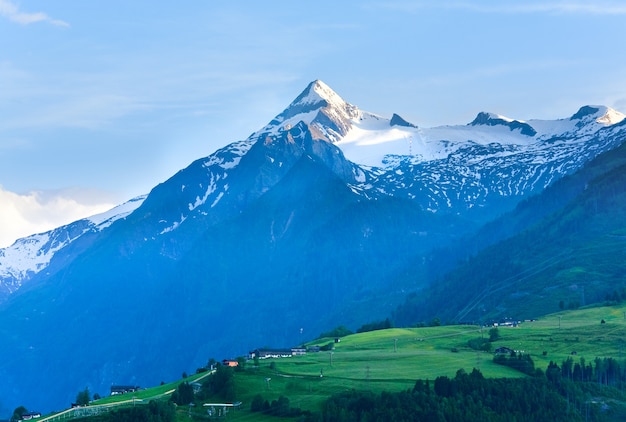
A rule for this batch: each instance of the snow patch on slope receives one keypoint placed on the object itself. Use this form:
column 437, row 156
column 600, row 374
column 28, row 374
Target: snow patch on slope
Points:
column 30, row 255
column 105, row 219
column 373, row 143
column 228, row 157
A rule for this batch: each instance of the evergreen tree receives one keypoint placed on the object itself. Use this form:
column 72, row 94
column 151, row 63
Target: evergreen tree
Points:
column 18, row 413
column 221, row 384
column 83, row 397
column 494, row 334
column 183, row 394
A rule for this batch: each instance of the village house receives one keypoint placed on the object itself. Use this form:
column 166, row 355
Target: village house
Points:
column 504, row 351
column 276, row 353
column 123, row 389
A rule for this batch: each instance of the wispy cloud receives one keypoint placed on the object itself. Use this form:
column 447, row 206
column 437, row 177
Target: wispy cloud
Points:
column 35, row 212
column 563, row 7
column 14, row 14
column 554, row 7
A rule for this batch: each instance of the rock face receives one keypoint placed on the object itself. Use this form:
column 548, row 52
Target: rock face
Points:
column 488, row 119
column 327, row 216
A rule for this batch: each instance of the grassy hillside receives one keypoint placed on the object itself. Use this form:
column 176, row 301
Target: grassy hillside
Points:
column 368, row 361
column 393, row 359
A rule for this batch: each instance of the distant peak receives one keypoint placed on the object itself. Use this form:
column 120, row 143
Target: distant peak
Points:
column 600, row 114
column 484, row 118
column 396, row 120
column 491, row 119
column 318, row 106
column 317, row 93
column 584, row 111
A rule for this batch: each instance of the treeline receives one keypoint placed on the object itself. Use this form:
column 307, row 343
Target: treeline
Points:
column 581, row 383
column 373, row 326
column 616, row 297
column 603, row 371
column 466, row 397
column 340, row 331
column 570, row 392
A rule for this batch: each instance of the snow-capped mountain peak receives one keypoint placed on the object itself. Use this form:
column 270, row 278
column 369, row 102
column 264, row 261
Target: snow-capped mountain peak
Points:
column 397, row 120
column 600, row 114
column 329, row 115
column 485, row 116
column 316, row 93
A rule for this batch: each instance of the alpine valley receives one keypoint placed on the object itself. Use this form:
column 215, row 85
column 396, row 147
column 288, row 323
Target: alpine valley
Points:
column 327, row 216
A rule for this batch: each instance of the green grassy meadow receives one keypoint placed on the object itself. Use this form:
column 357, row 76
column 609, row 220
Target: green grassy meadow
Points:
column 391, row 360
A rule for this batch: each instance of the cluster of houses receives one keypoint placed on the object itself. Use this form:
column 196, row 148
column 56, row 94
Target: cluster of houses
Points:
column 123, row 389
column 275, row 353
column 30, row 416
column 507, row 323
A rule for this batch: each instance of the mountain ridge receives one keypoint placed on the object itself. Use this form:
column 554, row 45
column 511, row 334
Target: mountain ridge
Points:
column 328, row 215
column 566, row 241
column 455, row 176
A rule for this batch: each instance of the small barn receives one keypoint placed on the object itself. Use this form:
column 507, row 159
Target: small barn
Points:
column 504, row 351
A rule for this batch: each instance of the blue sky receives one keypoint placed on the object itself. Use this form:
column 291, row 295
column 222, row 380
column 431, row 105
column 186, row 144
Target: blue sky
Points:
column 100, row 101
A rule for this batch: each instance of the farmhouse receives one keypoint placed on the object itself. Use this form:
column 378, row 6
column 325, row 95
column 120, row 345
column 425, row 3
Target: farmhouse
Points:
column 30, row 416
column 122, row 389
column 276, row 353
column 504, row 351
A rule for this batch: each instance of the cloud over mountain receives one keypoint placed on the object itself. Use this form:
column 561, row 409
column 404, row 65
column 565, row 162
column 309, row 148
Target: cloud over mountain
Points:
column 38, row 211
column 13, row 13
